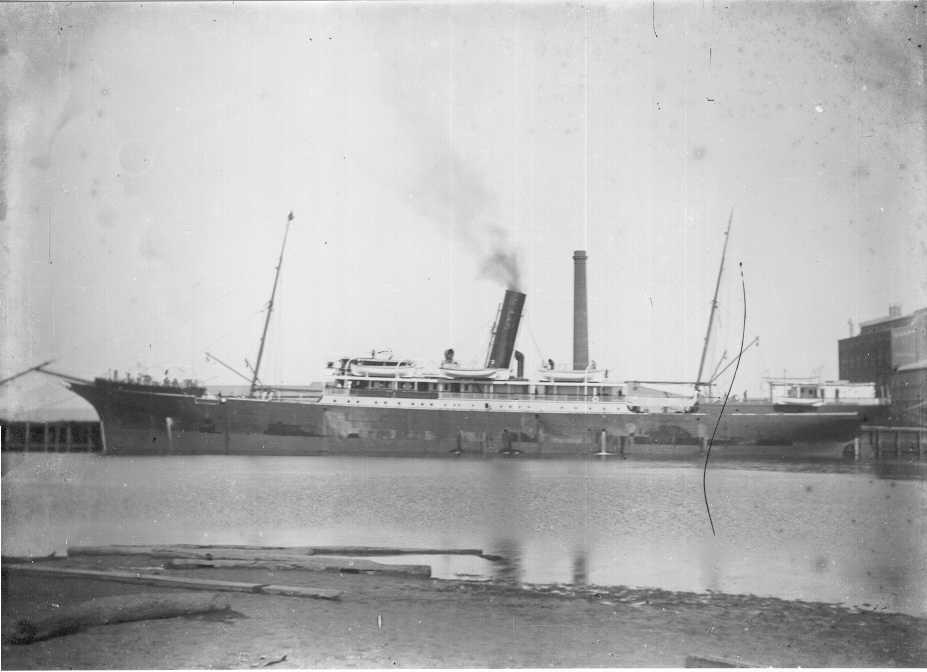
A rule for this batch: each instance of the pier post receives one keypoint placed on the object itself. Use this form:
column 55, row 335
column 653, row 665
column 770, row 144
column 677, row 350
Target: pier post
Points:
column 603, row 442
column 897, row 443
column 856, row 448
column 877, row 448
column 26, row 437
column 169, row 426
column 45, row 437
column 68, row 438
column 56, row 430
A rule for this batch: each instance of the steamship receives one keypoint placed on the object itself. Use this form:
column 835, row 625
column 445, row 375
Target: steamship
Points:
column 376, row 405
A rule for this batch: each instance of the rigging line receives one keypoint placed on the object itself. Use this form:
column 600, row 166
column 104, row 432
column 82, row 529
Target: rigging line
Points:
column 236, row 328
column 533, row 339
column 743, row 333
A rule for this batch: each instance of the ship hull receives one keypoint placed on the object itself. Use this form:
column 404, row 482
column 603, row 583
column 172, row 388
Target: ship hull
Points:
column 170, row 422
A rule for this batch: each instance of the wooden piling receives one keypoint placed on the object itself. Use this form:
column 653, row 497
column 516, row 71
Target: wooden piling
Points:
column 903, row 439
column 68, row 438
column 27, row 438
column 168, row 426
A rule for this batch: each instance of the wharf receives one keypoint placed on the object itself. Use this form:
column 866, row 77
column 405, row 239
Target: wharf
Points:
column 893, row 440
column 63, row 436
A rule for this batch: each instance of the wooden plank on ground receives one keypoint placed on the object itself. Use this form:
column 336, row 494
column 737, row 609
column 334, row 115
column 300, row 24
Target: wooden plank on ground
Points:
column 114, row 609
column 342, row 564
column 194, row 551
column 300, row 550
column 386, row 550
column 110, row 550
column 137, row 578
column 315, row 564
column 244, row 552
column 297, row 591
column 220, row 553
column 161, row 580
column 713, row 661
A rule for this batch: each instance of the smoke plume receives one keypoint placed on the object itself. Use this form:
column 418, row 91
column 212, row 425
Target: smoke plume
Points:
column 450, row 191
column 501, row 263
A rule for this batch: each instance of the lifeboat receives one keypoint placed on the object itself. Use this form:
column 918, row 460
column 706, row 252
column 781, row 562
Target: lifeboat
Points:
column 373, row 367
column 563, row 376
column 473, row 374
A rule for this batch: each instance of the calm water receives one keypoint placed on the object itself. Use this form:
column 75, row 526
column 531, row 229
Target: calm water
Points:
column 851, row 534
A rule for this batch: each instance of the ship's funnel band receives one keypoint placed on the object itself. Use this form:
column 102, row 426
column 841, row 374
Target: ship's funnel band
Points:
column 503, row 339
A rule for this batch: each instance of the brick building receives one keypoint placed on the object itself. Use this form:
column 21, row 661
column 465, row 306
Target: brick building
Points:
column 891, row 352
column 909, row 395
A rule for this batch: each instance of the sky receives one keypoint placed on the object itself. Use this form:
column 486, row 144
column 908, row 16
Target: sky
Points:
column 435, row 154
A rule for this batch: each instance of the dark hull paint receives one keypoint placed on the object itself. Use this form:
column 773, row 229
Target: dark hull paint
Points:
column 169, row 422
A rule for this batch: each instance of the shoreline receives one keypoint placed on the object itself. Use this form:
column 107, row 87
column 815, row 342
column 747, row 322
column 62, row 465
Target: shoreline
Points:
column 395, row 621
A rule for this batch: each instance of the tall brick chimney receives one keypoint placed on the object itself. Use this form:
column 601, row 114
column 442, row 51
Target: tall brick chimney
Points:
column 580, row 313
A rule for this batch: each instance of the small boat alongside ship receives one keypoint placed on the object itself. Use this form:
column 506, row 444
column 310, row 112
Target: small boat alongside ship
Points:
column 379, row 405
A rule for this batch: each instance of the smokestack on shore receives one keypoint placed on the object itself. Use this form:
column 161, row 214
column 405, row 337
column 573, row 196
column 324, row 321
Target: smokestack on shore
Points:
column 580, row 313
column 503, row 339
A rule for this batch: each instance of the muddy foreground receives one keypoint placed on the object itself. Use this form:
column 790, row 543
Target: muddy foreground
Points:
column 390, row 621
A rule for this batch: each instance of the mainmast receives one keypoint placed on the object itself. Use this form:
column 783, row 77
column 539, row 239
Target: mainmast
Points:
column 270, row 306
column 714, row 304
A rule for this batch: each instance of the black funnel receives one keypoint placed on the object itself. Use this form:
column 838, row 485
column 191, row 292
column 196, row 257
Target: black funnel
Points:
column 503, row 338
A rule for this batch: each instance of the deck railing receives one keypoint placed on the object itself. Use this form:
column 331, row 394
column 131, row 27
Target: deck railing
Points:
column 473, row 396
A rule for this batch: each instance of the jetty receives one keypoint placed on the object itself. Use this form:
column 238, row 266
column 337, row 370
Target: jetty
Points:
column 61, row 436
column 893, row 440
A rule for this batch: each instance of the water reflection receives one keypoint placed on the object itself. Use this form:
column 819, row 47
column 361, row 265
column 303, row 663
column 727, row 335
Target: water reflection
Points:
column 709, row 558
column 580, row 574
column 841, row 533
column 508, row 567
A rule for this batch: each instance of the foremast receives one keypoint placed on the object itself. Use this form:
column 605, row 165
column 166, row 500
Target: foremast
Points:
column 270, row 307
column 714, row 306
